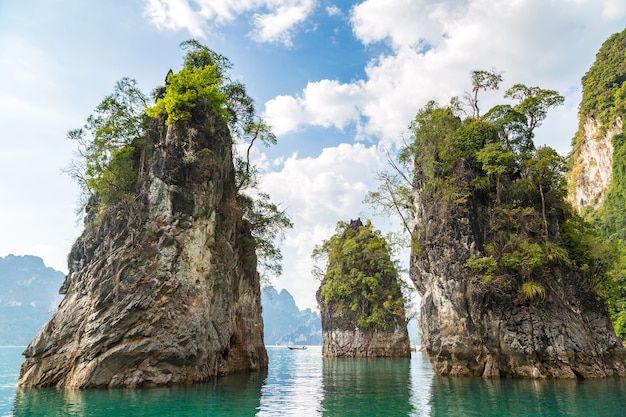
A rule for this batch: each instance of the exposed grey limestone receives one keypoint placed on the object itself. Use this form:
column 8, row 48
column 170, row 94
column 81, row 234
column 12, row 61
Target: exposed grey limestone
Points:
column 366, row 343
column 166, row 293
column 470, row 332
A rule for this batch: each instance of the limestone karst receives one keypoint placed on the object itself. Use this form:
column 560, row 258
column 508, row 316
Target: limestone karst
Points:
column 360, row 298
column 507, row 272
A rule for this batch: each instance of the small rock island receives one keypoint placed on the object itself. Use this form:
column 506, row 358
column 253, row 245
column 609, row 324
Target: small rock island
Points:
column 360, row 298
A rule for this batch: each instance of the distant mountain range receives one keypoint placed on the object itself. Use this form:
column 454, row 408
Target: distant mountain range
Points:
column 285, row 323
column 29, row 295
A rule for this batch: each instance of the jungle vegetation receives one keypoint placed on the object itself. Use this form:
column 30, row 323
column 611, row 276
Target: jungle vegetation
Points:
column 604, row 99
column 360, row 276
column 486, row 167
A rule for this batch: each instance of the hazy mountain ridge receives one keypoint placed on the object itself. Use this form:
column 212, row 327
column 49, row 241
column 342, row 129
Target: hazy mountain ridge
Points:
column 29, row 294
column 285, row 323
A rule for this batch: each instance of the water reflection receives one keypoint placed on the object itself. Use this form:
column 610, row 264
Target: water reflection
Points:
column 367, row 387
column 226, row 396
column 520, row 397
column 421, row 384
column 302, row 383
column 294, row 383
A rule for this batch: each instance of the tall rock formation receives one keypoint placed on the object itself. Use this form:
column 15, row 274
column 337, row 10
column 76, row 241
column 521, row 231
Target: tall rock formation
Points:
column 360, row 300
column 600, row 116
column 504, row 270
column 471, row 332
column 597, row 177
column 164, row 290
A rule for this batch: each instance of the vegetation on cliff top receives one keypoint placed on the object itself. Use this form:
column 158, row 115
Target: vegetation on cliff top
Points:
column 604, row 99
column 115, row 142
column 360, row 275
column 487, row 169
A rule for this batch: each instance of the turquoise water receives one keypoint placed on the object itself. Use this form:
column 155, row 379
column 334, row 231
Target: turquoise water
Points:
column 302, row 383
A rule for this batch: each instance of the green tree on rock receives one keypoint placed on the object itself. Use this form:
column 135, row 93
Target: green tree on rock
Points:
column 488, row 171
column 114, row 143
column 360, row 276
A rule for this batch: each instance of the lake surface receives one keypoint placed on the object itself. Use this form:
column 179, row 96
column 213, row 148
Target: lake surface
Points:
column 302, row 383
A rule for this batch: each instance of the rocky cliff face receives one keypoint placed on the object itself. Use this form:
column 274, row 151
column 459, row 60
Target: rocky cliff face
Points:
column 593, row 165
column 163, row 291
column 471, row 332
column 342, row 338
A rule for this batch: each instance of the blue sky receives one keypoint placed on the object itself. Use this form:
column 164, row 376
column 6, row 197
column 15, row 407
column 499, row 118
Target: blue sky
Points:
column 339, row 82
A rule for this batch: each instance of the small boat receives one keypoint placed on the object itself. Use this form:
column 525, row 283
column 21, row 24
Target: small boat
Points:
column 296, row 347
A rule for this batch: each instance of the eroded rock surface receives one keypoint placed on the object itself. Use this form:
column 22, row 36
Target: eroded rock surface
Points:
column 346, row 341
column 471, row 332
column 163, row 291
column 593, row 166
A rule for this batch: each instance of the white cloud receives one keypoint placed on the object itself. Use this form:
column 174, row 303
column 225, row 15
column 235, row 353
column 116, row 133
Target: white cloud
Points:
column 278, row 25
column 273, row 20
column 323, row 103
column 317, row 193
column 408, row 22
column 436, row 44
column 284, row 114
column 177, row 14
column 614, row 9
column 333, row 10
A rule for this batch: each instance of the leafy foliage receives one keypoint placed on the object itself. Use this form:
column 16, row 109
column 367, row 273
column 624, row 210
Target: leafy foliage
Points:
column 482, row 80
column 104, row 165
column 268, row 224
column 605, row 82
column 514, row 194
column 361, row 276
column 532, row 290
column 116, row 182
column 534, row 103
column 184, row 90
